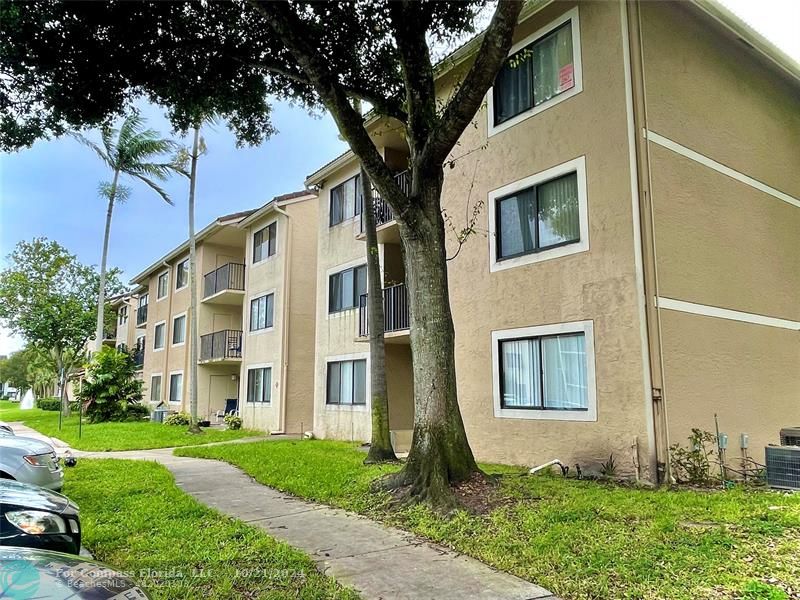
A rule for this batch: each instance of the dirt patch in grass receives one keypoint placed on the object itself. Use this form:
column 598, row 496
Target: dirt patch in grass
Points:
column 481, row 494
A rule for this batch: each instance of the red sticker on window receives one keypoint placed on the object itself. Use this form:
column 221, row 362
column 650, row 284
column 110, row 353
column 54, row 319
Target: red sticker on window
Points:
column 566, row 77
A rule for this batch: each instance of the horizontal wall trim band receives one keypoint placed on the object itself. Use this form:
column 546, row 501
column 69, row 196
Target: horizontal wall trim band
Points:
column 725, row 313
column 719, row 167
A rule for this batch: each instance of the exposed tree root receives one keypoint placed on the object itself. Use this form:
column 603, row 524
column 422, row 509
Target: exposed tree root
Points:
column 377, row 456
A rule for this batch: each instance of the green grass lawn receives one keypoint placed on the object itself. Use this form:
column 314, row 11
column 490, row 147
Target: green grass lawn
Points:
column 136, row 520
column 113, row 436
column 580, row 539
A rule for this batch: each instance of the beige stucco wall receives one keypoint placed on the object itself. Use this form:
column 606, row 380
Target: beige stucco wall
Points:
column 719, row 241
column 597, row 285
column 749, row 375
column 301, row 316
column 337, row 249
column 263, row 348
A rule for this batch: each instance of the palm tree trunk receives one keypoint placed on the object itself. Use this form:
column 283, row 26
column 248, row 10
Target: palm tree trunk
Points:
column 195, row 340
column 380, row 449
column 101, row 297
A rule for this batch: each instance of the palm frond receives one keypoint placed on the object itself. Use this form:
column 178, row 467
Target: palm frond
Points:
column 97, row 149
column 156, row 188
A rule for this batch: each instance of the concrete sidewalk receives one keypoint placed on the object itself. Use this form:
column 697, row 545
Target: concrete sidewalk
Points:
column 380, row 562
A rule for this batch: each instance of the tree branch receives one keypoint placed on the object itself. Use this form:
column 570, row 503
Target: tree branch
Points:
column 466, row 101
column 294, row 34
column 415, row 61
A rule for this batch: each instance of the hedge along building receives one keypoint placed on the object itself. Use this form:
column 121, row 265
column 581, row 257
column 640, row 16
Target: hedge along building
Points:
column 635, row 268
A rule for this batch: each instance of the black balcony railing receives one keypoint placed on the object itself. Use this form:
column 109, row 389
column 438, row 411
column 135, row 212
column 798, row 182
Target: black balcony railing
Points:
column 395, row 310
column 138, row 354
column 141, row 315
column 383, row 212
column 228, row 277
column 221, row 344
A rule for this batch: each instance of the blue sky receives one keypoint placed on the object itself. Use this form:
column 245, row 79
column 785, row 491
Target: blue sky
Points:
column 51, row 189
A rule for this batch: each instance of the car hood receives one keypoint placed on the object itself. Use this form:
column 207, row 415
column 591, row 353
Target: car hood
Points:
column 14, row 493
column 29, row 573
column 29, row 445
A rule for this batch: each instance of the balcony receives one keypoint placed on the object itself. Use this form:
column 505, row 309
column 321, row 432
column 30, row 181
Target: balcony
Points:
column 138, row 356
column 384, row 215
column 396, row 316
column 224, row 285
column 221, row 347
column 141, row 316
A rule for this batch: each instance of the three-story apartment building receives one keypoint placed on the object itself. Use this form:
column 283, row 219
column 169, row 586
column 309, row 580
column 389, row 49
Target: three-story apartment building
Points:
column 635, row 268
column 246, row 263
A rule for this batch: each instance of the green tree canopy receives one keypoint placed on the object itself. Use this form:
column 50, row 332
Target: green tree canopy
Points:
column 48, row 297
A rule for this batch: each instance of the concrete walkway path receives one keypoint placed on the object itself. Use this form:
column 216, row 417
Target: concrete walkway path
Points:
column 380, row 562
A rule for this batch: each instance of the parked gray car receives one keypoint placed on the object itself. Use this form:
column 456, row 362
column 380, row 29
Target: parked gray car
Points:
column 30, row 461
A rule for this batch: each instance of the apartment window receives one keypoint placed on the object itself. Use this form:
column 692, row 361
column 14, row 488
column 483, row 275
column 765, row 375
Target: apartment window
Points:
column 122, row 316
column 175, row 387
column 143, row 300
column 265, row 242
column 535, row 74
column 163, row 286
column 542, row 216
column 346, row 287
column 159, row 336
column 346, row 200
column 182, row 274
column 545, row 372
column 347, row 382
column 261, row 310
column 155, row 389
column 259, row 384
column 178, row 330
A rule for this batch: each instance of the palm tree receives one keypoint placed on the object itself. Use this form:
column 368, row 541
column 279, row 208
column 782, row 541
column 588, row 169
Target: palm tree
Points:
column 131, row 150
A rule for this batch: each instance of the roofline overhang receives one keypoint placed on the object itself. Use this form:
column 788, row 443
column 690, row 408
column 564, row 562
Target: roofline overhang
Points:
column 271, row 206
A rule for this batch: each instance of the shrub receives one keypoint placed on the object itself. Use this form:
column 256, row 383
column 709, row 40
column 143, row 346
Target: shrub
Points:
column 136, row 412
column 111, row 386
column 693, row 464
column 180, row 418
column 233, row 422
column 48, row 404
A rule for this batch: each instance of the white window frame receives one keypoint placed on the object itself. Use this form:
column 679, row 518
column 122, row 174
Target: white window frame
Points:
column 266, row 257
column 368, row 391
column 161, row 391
column 274, row 293
column 332, row 271
column 185, row 329
column 188, row 276
column 160, row 298
column 155, row 337
column 585, row 327
column 577, row 73
column 578, row 166
column 271, row 384
column 169, row 387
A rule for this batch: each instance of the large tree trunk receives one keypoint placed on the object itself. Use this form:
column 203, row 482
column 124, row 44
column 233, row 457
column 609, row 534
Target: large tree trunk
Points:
column 194, row 338
column 380, row 449
column 440, row 453
column 101, row 297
